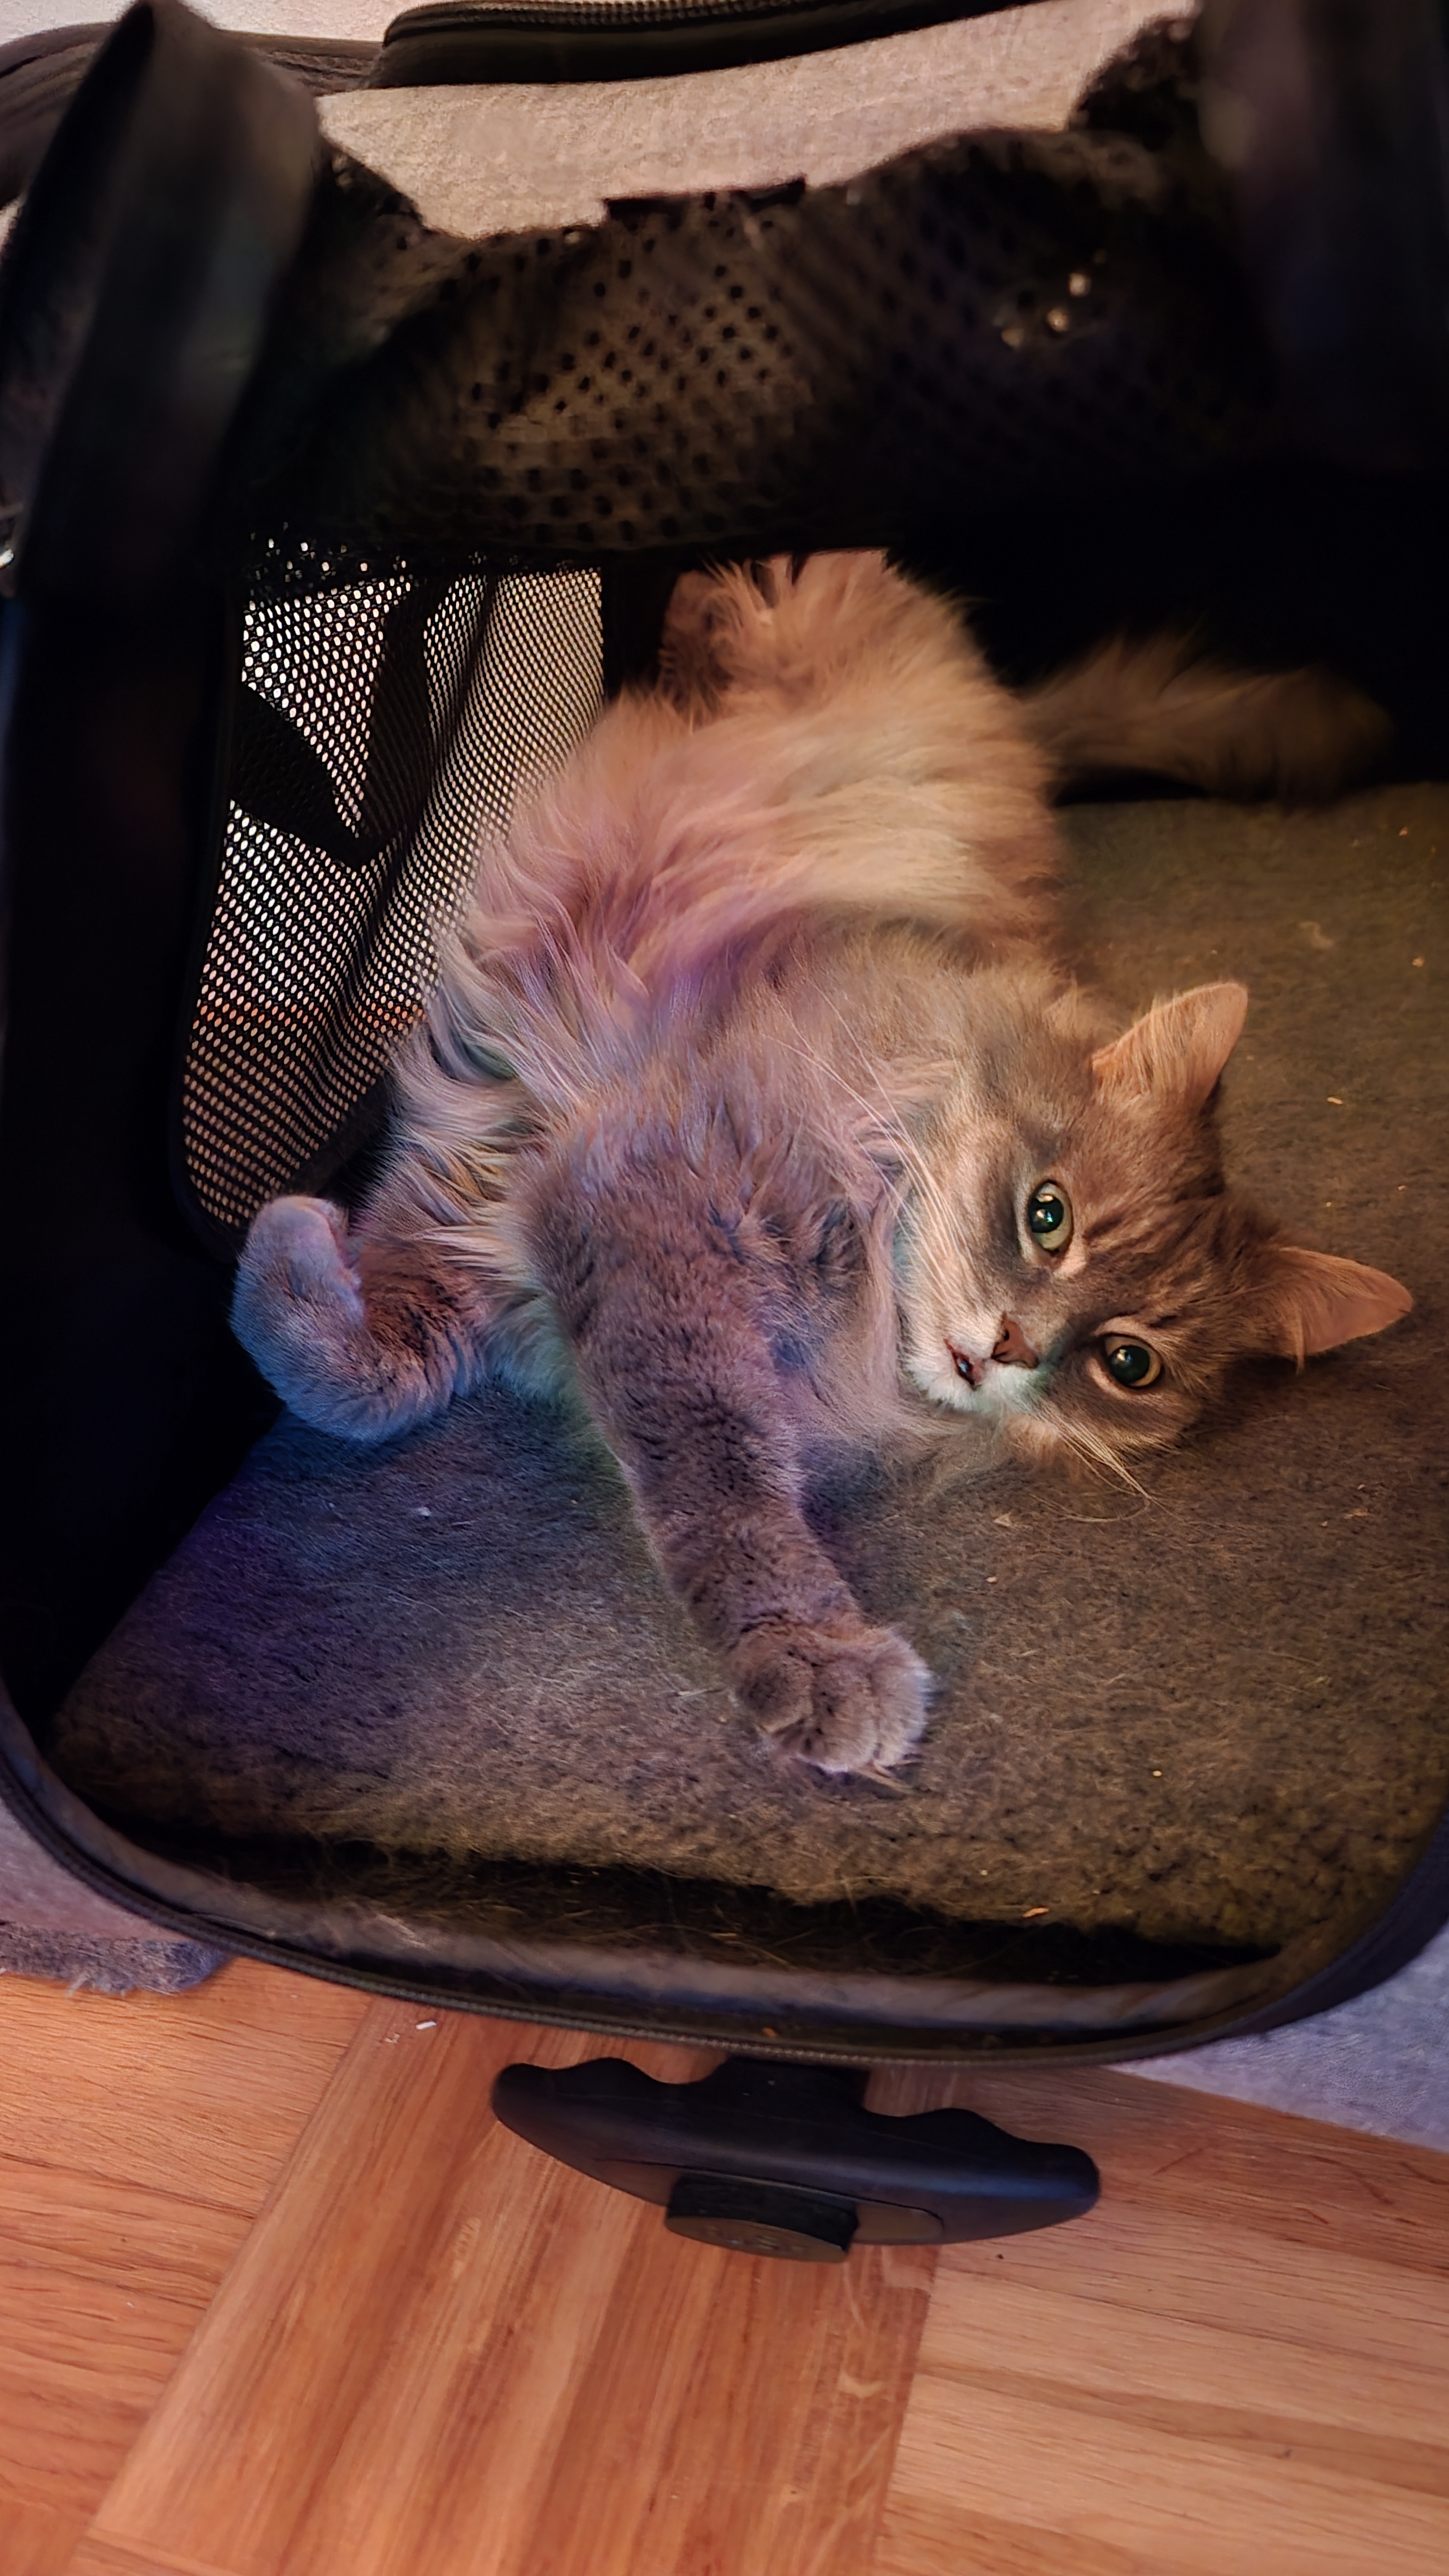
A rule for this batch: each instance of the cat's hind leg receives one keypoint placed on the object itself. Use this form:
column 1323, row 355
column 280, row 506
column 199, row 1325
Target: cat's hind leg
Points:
column 797, row 631
column 764, row 627
column 360, row 1336
column 709, row 614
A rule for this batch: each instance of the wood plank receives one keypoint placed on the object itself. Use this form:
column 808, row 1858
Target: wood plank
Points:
column 1168, row 2376
column 764, row 2435
column 1184, row 2503
column 930, row 2536
column 440, row 2351
column 86, row 2225
column 1216, row 2275
column 36, row 2542
column 201, row 2094
column 1239, row 2361
column 120, row 2116
column 1164, row 2147
column 104, row 2558
column 82, row 2363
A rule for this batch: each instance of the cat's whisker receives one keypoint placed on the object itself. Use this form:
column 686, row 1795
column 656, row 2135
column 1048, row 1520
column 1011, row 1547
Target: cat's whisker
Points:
column 895, row 1126
column 811, row 1055
column 1093, row 1450
column 1086, row 1446
column 927, row 1186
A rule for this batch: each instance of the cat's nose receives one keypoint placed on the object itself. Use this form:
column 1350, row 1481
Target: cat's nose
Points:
column 1012, row 1345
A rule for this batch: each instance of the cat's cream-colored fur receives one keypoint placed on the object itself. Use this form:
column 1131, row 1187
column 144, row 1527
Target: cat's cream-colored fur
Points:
column 754, row 1107
column 1162, row 708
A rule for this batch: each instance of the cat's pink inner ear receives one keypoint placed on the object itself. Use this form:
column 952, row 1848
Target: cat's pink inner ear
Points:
column 1317, row 1300
column 1178, row 1047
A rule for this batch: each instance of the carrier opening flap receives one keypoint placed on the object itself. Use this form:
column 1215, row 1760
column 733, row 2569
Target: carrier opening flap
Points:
column 777, row 365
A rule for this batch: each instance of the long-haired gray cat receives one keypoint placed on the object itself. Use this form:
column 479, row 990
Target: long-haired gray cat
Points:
column 752, row 1105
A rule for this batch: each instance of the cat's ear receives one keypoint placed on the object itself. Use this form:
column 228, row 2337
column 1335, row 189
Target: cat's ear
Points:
column 1312, row 1301
column 1178, row 1048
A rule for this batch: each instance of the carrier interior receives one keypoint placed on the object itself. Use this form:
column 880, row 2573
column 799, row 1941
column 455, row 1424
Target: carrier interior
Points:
column 1183, row 1728
column 425, row 1712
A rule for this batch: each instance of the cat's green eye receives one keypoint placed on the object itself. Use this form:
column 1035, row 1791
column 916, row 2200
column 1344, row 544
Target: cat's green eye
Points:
column 1049, row 1216
column 1131, row 1363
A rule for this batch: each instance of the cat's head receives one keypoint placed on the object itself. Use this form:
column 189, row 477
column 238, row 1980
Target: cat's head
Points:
column 1071, row 1265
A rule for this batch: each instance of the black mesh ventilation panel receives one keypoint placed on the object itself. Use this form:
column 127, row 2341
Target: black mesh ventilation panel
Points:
column 379, row 725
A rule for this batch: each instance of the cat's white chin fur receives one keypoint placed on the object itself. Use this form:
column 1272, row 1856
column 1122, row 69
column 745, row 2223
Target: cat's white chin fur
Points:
column 1005, row 1389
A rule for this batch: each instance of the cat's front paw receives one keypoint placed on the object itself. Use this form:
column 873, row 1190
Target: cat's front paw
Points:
column 296, row 1293
column 854, row 1702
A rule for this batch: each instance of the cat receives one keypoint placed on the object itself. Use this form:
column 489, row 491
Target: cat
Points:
column 753, row 1107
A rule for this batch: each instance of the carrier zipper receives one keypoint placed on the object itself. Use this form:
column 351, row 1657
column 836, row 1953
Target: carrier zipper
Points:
column 461, row 42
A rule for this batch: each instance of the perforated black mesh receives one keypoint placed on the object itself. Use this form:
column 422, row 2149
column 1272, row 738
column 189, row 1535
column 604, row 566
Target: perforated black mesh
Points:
column 983, row 319
column 378, row 724
column 993, row 317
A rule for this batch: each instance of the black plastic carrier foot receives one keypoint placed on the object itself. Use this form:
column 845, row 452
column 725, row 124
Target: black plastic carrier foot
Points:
column 784, row 2160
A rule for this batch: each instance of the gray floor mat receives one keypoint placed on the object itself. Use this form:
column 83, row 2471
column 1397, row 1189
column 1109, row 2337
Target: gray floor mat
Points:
column 1379, row 2063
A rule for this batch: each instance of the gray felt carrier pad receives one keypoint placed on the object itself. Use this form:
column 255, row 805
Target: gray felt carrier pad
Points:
column 1210, row 1711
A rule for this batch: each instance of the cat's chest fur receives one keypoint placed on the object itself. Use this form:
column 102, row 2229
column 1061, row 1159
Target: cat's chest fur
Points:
column 768, row 1134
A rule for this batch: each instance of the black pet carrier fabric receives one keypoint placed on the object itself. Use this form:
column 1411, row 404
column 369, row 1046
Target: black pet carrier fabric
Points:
column 724, row 374
column 378, row 729
column 744, row 373
column 468, row 41
column 460, row 484
column 40, row 74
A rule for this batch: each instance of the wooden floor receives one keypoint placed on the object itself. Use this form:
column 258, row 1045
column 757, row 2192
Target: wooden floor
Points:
column 277, row 2298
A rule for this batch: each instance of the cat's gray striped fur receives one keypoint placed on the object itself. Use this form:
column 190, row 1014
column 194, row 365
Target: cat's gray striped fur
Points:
column 753, row 1107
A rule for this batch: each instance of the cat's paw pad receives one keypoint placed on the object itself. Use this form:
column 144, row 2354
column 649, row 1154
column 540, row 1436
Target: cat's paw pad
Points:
column 294, row 1278
column 846, row 1703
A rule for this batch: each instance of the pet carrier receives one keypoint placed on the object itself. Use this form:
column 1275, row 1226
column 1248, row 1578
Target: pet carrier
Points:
column 328, row 529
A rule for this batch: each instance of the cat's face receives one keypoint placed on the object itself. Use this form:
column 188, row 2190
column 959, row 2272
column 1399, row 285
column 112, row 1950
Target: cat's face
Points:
column 1071, row 1267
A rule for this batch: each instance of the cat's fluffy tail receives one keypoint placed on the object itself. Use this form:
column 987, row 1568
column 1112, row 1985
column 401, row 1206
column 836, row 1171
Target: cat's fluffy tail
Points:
column 1164, row 709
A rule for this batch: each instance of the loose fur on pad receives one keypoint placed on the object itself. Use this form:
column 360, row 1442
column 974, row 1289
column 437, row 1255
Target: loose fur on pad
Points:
column 752, row 1109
